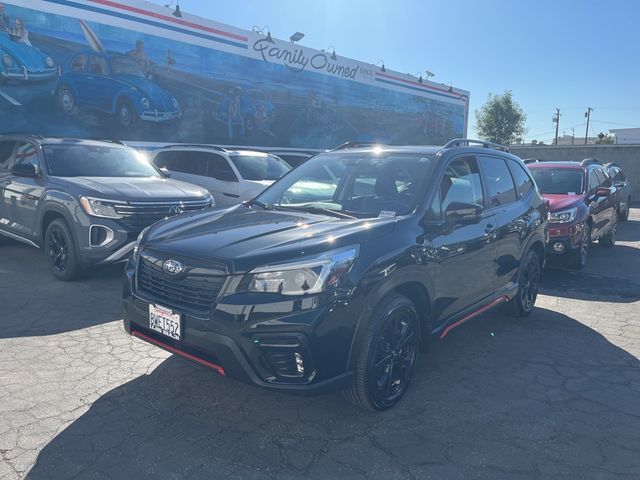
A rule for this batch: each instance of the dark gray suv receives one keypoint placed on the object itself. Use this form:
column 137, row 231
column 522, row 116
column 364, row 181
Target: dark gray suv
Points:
column 84, row 202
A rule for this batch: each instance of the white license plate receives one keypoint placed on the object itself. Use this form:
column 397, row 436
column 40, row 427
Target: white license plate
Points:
column 163, row 320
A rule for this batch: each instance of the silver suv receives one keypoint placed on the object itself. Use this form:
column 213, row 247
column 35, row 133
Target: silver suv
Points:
column 84, row 202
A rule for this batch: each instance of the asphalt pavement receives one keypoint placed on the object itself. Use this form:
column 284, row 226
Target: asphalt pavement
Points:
column 555, row 395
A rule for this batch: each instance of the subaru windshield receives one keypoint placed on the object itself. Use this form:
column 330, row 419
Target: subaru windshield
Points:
column 352, row 185
column 96, row 161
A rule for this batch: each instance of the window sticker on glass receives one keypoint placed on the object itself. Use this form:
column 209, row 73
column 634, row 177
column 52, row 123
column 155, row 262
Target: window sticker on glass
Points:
column 387, row 213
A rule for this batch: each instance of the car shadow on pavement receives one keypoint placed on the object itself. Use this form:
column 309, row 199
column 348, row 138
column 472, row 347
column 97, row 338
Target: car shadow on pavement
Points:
column 629, row 231
column 34, row 303
column 498, row 398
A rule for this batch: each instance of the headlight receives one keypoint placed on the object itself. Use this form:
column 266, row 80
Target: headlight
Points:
column 175, row 103
column 7, row 60
column 99, row 208
column 145, row 103
column 49, row 61
column 136, row 247
column 305, row 277
column 212, row 202
column 563, row 216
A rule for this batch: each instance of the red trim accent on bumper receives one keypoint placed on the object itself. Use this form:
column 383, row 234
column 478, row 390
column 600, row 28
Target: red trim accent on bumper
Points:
column 488, row 306
column 177, row 351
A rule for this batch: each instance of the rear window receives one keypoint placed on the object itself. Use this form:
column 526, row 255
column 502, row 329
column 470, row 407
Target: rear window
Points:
column 260, row 167
column 559, row 181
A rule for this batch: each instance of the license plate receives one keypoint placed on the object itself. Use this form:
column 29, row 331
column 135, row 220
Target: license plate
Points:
column 163, row 320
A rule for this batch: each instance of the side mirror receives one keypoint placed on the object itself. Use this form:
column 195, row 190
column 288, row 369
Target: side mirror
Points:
column 165, row 173
column 602, row 192
column 25, row 170
column 618, row 184
column 462, row 212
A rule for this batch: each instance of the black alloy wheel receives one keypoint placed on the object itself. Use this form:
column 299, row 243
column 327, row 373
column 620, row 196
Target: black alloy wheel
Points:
column 387, row 355
column 60, row 249
column 529, row 275
column 609, row 240
column 579, row 258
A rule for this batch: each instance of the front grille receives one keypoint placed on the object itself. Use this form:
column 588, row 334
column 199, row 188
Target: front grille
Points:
column 139, row 215
column 196, row 293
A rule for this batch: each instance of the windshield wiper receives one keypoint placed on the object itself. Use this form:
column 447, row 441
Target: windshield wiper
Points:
column 266, row 206
column 312, row 209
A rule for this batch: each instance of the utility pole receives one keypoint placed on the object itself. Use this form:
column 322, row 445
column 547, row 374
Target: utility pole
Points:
column 573, row 135
column 556, row 119
column 588, row 115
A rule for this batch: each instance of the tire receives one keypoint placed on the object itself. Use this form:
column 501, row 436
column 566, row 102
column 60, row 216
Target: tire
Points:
column 578, row 259
column 624, row 216
column 67, row 100
column 609, row 240
column 529, row 276
column 61, row 251
column 125, row 114
column 386, row 355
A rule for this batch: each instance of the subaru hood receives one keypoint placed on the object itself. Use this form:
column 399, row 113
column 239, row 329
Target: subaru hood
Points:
column 134, row 188
column 244, row 238
column 562, row 202
column 25, row 55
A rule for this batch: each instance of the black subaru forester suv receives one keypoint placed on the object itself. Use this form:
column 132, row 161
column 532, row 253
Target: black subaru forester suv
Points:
column 337, row 274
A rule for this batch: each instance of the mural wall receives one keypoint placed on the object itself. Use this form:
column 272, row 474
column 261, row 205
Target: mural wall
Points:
column 106, row 69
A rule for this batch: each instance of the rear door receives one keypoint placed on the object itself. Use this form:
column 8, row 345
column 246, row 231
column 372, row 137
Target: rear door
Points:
column 466, row 254
column 223, row 180
column 21, row 195
column 607, row 205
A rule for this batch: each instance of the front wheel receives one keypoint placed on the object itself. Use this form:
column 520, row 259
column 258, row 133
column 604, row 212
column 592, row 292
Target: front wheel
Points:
column 578, row 258
column 387, row 354
column 529, row 275
column 67, row 100
column 61, row 251
column 125, row 114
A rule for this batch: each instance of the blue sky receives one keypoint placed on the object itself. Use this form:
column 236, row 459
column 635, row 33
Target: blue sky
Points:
column 565, row 54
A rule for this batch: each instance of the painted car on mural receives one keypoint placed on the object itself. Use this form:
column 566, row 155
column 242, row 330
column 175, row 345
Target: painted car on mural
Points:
column 117, row 85
column 24, row 62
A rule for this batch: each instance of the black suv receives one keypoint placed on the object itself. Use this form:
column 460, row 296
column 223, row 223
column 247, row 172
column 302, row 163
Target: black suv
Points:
column 84, row 202
column 335, row 275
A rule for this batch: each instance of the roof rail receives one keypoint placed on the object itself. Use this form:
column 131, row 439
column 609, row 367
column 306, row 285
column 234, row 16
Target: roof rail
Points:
column 590, row 161
column 346, row 145
column 611, row 164
column 459, row 142
column 107, row 140
column 24, row 134
column 530, row 160
column 198, row 145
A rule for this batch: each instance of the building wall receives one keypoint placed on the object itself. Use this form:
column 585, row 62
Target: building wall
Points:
column 627, row 156
column 626, row 135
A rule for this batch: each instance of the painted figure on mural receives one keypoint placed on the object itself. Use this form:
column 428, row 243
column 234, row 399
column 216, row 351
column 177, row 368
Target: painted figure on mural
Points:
column 20, row 33
column 231, row 113
column 5, row 21
column 141, row 56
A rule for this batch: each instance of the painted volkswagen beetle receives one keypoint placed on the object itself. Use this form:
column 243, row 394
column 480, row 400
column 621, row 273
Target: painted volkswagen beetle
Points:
column 117, row 85
column 24, row 62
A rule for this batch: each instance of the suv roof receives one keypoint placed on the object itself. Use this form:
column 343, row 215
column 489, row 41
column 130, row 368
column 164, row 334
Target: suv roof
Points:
column 466, row 144
column 59, row 140
column 559, row 164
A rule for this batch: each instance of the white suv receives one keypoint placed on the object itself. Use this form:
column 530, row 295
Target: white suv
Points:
column 232, row 176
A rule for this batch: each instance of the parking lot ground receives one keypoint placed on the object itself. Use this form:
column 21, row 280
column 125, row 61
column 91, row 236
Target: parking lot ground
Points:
column 555, row 395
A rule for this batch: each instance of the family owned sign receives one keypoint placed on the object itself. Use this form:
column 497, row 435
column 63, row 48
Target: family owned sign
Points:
column 296, row 60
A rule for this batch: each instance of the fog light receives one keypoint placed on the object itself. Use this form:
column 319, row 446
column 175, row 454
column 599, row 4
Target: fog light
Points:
column 558, row 247
column 299, row 363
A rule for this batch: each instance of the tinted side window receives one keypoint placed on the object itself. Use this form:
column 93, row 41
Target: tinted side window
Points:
column 605, row 179
column 521, row 178
column 219, row 168
column 6, row 149
column 26, row 153
column 500, row 187
column 619, row 177
column 594, row 181
column 166, row 160
column 461, row 183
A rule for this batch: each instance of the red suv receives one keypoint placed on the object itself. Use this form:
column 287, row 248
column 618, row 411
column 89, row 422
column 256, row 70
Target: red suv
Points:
column 582, row 206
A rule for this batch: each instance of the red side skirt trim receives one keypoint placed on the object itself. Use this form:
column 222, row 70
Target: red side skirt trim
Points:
column 488, row 306
column 177, row 351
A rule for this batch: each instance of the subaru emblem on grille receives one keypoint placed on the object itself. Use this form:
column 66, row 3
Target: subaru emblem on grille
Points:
column 175, row 210
column 173, row 267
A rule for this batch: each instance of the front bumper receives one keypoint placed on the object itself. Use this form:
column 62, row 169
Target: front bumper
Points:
column 564, row 238
column 25, row 75
column 156, row 116
column 249, row 351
